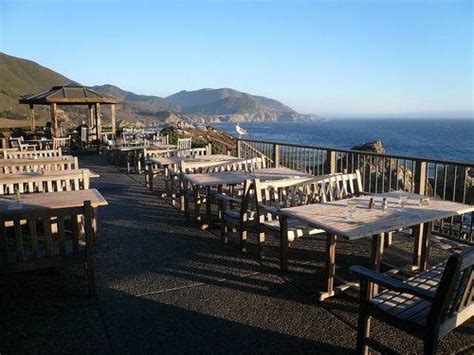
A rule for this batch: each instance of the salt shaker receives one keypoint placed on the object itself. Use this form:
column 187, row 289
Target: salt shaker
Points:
column 371, row 203
column 384, row 204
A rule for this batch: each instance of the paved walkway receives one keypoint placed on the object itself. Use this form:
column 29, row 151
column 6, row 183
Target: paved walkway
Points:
column 164, row 286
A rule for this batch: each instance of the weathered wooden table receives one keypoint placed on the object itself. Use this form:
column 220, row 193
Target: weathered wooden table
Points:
column 43, row 181
column 373, row 223
column 30, row 203
column 50, row 163
column 41, row 143
column 219, row 179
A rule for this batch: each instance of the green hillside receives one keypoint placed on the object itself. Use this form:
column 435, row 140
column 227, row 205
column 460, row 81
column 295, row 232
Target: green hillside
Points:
column 20, row 77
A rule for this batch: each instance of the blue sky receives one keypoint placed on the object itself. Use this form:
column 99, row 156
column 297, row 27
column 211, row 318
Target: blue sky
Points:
column 336, row 58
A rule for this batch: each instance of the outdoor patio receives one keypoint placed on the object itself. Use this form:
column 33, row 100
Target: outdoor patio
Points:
column 163, row 285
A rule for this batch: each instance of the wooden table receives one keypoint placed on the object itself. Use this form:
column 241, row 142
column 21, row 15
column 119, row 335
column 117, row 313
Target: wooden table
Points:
column 8, row 182
column 219, row 179
column 51, row 200
column 49, row 163
column 40, row 143
column 373, row 223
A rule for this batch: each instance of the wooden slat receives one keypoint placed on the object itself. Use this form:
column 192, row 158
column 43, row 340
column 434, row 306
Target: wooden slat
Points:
column 47, row 237
column 20, row 253
column 33, row 238
column 61, row 236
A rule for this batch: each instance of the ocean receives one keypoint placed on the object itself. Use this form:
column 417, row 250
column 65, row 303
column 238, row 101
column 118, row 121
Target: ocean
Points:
column 451, row 139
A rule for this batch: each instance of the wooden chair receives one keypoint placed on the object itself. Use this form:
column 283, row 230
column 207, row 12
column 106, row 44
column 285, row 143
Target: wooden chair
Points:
column 63, row 143
column 36, row 245
column 428, row 305
column 260, row 202
column 270, row 196
column 21, row 145
column 184, row 143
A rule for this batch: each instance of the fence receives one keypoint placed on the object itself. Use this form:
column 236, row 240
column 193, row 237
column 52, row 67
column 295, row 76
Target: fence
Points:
column 445, row 179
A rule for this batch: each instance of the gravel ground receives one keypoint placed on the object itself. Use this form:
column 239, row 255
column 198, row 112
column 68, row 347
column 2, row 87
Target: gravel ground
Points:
column 164, row 286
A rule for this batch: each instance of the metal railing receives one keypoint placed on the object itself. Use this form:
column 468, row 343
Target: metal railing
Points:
column 445, row 179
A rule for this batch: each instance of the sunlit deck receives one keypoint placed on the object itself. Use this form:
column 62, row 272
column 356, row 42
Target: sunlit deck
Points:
column 164, row 285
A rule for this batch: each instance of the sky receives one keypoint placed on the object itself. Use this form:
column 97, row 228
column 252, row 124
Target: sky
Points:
column 381, row 58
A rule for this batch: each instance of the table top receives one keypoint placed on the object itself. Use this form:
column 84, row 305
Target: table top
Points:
column 153, row 146
column 332, row 216
column 50, row 200
column 191, row 162
column 128, row 148
column 239, row 176
column 39, row 160
column 25, row 176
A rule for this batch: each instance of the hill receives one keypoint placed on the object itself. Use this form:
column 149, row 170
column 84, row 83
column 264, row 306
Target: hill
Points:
column 230, row 104
column 21, row 77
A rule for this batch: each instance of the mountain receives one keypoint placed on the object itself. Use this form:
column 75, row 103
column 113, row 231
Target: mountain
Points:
column 21, row 77
column 230, row 104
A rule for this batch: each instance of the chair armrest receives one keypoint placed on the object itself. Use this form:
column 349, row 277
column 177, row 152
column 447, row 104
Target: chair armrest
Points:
column 391, row 283
column 227, row 198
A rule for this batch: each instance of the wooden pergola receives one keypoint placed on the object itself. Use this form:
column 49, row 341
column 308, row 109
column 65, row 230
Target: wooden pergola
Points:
column 72, row 95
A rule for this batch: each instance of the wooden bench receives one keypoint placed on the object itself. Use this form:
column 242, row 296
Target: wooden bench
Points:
column 428, row 305
column 32, row 154
column 37, row 245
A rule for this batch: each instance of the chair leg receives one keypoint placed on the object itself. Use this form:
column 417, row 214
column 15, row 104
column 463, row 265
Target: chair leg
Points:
column 363, row 328
column 243, row 240
column 224, row 231
column 430, row 345
column 261, row 241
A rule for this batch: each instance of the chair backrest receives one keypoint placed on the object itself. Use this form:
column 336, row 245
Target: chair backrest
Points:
column 162, row 140
column 9, row 166
column 340, row 185
column 44, row 238
column 247, row 164
column 454, row 300
column 32, row 154
column 184, row 143
column 284, row 193
column 61, row 142
column 68, row 181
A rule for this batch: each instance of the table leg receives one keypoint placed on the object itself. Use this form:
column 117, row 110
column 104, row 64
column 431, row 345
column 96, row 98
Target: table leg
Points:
column 330, row 266
column 196, row 203
column 425, row 246
column 417, row 233
column 219, row 204
column 208, row 207
column 377, row 254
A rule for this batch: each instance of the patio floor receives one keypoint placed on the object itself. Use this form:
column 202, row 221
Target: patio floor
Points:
column 165, row 286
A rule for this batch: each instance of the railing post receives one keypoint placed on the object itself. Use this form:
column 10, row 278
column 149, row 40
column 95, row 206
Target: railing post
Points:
column 421, row 170
column 209, row 149
column 331, row 161
column 239, row 149
column 276, row 155
column 419, row 231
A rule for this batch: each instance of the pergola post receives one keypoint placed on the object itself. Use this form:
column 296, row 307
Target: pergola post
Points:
column 90, row 115
column 32, row 114
column 97, row 125
column 54, row 122
column 112, row 116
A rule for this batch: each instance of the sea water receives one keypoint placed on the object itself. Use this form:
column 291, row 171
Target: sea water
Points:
column 451, row 139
